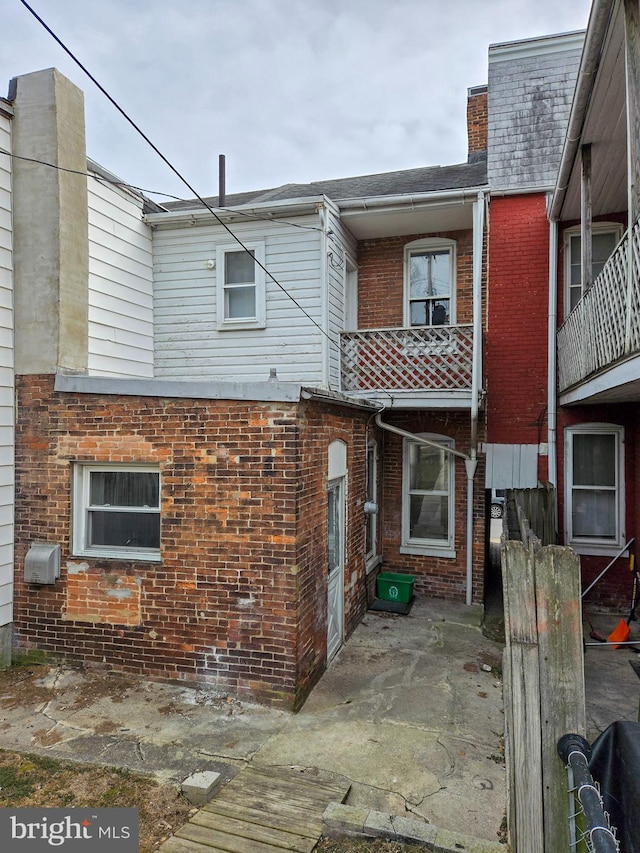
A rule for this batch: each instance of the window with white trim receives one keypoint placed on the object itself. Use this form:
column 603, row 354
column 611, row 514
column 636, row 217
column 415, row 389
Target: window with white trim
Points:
column 594, row 486
column 116, row 511
column 428, row 496
column 605, row 236
column 241, row 286
column 371, row 502
column 430, row 282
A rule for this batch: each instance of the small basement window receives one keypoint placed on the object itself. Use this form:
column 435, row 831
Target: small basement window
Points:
column 116, row 511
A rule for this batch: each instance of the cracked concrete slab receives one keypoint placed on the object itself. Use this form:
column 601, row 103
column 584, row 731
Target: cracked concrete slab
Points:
column 409, row 712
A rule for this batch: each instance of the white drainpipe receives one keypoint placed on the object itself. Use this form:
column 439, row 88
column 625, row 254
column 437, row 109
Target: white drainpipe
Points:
column 552, row 409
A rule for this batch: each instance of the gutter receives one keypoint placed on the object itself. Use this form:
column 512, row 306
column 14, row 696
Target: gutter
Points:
column 552, row 390
column 412, row 200
column 591, row 52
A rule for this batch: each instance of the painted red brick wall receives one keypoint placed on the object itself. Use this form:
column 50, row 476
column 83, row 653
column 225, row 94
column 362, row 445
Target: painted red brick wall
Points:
column 516, row 337
column 381, row 279
column 237, row 599
column 440, row 577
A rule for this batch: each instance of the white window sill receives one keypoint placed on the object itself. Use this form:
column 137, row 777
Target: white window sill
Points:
column 372, row 563
column 123, row 555
column 597, row 550
column 428, row 551
column 240, row 325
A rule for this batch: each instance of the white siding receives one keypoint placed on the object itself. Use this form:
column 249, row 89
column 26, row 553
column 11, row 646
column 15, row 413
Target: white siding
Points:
column 120, row 284
column 6, row 380
column 189, row 343
column 340, row 245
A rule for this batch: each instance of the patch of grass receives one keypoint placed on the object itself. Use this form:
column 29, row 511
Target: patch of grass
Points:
column 34, row 657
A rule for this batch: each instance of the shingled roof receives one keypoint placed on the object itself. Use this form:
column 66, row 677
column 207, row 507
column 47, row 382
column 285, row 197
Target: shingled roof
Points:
column 406, row 182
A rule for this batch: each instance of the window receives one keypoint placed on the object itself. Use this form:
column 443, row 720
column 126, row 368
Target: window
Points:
column 117, row 511
column 241, row 286
column 595, row 486
column 371, row 501
column 429, row 283
column 428, row 507
column 604, row 238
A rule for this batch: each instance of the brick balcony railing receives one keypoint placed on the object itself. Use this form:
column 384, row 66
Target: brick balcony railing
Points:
column 435, row 358
column 604, row 327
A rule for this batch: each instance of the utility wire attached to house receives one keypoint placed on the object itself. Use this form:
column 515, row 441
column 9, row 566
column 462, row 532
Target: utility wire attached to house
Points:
column 168, row 163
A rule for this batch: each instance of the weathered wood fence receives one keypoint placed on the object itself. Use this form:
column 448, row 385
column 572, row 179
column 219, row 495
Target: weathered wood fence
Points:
column 543, row 675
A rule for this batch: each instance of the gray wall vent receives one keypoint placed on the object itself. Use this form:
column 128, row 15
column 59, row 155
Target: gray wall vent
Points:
column 42, row 563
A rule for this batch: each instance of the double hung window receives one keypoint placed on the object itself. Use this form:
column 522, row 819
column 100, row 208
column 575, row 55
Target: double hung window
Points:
column 605, row 237
column 595, row 486
column 117, row 511
column 428, row 496
column 429, row 283
column 241, row 286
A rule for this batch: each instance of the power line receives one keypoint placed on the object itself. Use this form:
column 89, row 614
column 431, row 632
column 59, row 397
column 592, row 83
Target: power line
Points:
column 167, row 162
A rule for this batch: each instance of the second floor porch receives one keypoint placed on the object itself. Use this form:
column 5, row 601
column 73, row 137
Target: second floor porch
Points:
column 425, row 367
column 599, row 342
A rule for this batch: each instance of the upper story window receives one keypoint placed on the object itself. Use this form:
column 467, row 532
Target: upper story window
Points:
column 116, row 511
column 594, row 486
column 605, row 237
column 430, row 282
column 241, row 287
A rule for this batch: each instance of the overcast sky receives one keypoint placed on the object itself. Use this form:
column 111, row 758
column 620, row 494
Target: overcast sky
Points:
column 289, row 90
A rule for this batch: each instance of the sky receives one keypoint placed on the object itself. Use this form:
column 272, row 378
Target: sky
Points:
column 290, row 91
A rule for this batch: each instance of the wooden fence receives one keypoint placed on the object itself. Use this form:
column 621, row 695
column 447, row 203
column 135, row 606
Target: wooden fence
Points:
column 543, row 680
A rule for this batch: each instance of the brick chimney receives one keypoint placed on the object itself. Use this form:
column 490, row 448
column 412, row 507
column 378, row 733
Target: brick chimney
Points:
column 477, row 119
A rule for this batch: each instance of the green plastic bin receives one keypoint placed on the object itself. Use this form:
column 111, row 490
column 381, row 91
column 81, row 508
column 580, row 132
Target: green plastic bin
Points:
column 395, row 587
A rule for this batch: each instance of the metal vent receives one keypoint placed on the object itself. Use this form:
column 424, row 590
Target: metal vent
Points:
column 42, row 564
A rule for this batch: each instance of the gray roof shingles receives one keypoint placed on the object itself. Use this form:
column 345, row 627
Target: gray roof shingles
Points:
column 406, row 182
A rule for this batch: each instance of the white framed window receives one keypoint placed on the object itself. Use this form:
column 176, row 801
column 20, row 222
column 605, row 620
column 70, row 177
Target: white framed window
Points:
column 428, row 514
column 116, row 511
column 371, row 503
column 430, row 282
column 594, row 483
column 605, row 236
column 241, row 286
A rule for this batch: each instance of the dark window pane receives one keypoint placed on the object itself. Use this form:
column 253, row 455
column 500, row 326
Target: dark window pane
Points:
column 429, row 517
column 124, row 529
column 594, row 460
column 594, row 514
column 125, row 488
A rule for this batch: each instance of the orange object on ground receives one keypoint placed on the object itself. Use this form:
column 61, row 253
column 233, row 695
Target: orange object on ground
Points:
column 620, row 633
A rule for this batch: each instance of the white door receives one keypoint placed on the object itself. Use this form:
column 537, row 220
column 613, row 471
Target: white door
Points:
column 335, row 566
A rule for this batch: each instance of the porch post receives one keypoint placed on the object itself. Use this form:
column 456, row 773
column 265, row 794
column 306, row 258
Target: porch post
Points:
column 632, row 68
column 586, row 265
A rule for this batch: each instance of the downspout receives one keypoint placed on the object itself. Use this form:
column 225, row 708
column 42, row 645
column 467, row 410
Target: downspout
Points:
column 552, row 390
column 476, row 377
column 324, row 297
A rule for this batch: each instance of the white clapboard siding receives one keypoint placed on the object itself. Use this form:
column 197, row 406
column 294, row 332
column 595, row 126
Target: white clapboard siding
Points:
column 188, row 340
column 120, row 284
column 7, row 475
column 340, row 244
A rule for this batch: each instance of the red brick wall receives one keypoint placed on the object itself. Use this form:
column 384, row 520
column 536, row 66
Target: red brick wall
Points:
column 381, row 279
column 441, row 577
column 243, row 542
column 516, row 338
column 477, row 121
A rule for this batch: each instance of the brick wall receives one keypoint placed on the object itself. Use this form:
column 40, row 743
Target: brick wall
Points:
column 441, row 577
column 243, row 538
column 381, row 279
column 516, row 338
column 477, row 119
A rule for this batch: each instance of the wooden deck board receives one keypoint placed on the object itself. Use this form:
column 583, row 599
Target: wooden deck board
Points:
column 259, row 811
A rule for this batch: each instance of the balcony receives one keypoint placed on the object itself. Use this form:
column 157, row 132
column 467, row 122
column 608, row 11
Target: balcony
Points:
column 604, row 328
column 435, row 359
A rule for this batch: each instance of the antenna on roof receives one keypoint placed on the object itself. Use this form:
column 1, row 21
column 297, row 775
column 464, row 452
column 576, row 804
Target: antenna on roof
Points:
column 222, row 195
